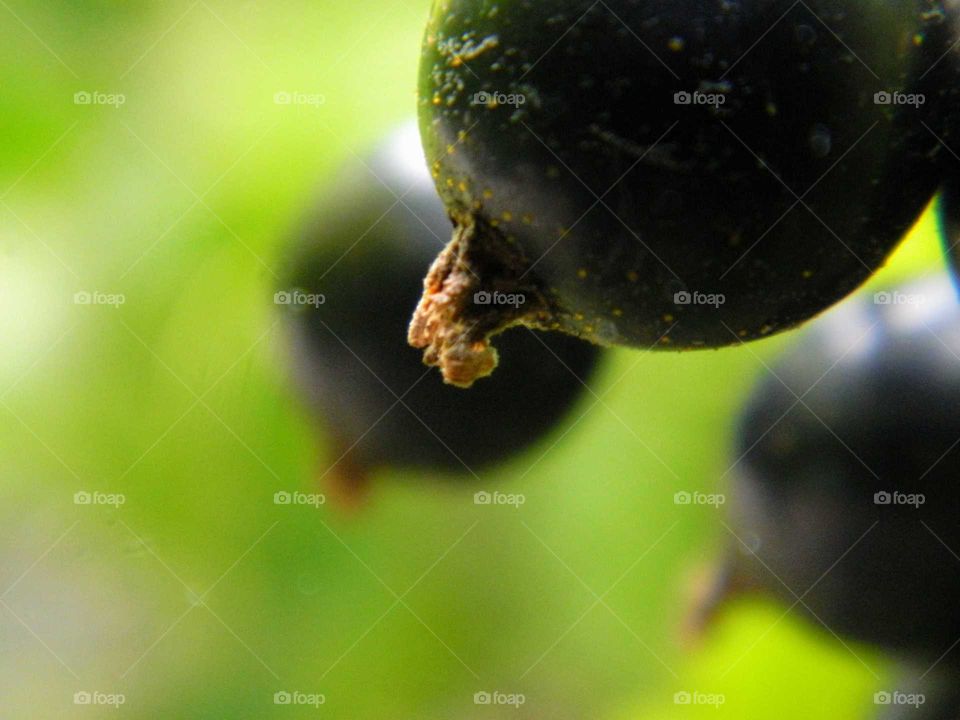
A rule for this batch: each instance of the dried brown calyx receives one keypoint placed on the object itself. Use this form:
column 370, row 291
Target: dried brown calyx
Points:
column 474, row 290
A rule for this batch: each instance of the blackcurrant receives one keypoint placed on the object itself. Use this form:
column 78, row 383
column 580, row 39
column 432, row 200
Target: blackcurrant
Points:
column 354, row 280
column 674, row 173
column 845, row 492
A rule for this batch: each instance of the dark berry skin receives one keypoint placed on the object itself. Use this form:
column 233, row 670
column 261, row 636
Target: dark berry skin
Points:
column 948, row 217
column 366, row 253
column 603, row 197
column 879, row 388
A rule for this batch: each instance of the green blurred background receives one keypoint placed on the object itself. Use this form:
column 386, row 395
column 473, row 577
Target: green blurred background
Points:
column 199, row 597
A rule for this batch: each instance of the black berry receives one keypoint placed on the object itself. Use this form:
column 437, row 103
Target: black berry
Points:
column 673, row 173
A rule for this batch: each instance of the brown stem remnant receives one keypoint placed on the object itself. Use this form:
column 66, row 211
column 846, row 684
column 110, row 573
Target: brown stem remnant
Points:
column 461, row 307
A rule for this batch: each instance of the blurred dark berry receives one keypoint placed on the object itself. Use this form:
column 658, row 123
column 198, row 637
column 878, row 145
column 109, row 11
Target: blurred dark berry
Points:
column 846, row 498
column 354, row 281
